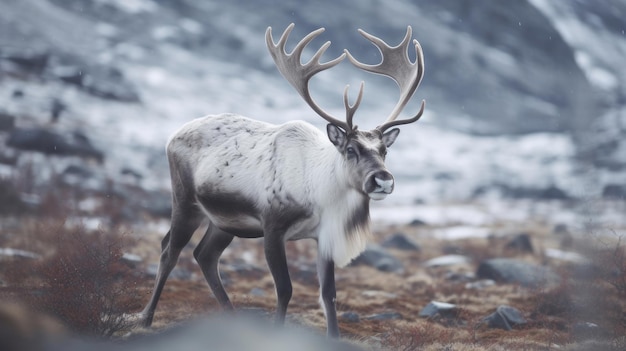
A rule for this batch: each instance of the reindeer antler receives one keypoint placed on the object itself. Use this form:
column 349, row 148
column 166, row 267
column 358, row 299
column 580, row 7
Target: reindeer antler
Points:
column 397, row 65
column 298, row 74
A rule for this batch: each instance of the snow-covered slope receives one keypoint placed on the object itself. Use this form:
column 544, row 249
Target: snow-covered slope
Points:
column 512, row 89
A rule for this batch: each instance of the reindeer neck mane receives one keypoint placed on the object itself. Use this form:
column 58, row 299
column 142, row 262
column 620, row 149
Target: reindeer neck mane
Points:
column 345, row 226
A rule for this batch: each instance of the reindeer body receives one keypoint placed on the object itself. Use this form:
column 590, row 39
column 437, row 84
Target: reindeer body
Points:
column 284, row 182
column 250, row 177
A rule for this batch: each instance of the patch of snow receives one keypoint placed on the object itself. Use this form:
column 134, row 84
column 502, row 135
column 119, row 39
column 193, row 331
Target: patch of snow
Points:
column 597, row 76
column 131, row 6
column 191, row 26
column 18, row 253
column 572, row 257
column 598, row 52
column 447, row 260
column 480, row 284
column 89, row 204
column 377, row 293
column 106, row 29
column 165, row 32
column 248, row 257
column 461, row 232
column 6, row 171
column 131, row 257
column 88, row 223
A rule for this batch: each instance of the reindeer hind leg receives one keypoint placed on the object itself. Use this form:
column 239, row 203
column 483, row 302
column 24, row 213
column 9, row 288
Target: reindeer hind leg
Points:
column 184, row 223
column 207, row 254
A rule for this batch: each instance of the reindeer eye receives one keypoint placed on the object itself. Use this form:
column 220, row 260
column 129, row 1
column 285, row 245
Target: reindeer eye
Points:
column 351, row 152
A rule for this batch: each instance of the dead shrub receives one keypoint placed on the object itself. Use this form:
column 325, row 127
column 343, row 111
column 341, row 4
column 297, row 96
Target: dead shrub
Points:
column 614, row 262
column 85, row 283
column 557, row 302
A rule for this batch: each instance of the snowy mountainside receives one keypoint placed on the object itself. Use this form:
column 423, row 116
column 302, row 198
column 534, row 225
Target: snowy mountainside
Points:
column 509, row 93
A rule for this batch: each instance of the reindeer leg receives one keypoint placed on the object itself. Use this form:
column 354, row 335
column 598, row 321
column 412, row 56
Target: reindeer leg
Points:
column 208, row 253
column 184, row 223
column 326, row 275
column 277, row 262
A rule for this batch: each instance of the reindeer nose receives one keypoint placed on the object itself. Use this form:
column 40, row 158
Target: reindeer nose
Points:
column 379, row 184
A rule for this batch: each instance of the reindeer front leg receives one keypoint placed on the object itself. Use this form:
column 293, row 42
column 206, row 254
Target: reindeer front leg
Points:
column 326, row 275
column 277, row 263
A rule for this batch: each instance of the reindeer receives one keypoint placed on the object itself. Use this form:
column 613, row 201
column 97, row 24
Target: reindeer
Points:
column 285, row 182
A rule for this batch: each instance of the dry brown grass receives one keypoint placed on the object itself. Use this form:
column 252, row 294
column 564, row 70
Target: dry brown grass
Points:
column 80, row 278
column 551, row 313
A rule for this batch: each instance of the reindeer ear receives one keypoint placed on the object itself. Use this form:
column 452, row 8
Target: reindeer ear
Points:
column 390, row 136
column 336, row 135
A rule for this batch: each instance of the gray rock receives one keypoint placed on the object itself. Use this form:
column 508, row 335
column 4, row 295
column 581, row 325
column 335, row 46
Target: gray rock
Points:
column 417, row 223
column 53, row 143
column 401, row 242
column 375, row 256
column 560, row 229
column 350, row 317
column 384, row 316
column 614, row 191
column 505, row 317
column 521, row 242
column 436, row 308
column 27, row 61
column 7, row 121
column 508, row 270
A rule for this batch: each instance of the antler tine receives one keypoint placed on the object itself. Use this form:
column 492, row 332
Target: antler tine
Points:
column 298, row 74
column 351, row 109
column 396, row 65
column 391, row 123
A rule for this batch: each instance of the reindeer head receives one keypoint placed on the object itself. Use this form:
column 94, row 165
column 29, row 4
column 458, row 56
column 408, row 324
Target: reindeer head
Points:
column 363, row 151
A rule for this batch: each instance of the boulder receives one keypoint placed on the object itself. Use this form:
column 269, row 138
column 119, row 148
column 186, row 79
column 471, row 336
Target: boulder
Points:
column 350, row 317
column 7, row 121
column 436, row 308
column 26, row 61
column 401, row 242
column 53, row 143
column 505, row 317
column 375, row 256
column 521, row 243
column 614, row 191
column 513, row 271
column 417, row 223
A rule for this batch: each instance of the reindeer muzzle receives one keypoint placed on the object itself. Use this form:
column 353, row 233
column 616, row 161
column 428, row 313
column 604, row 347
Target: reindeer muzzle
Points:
column 378, row 185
